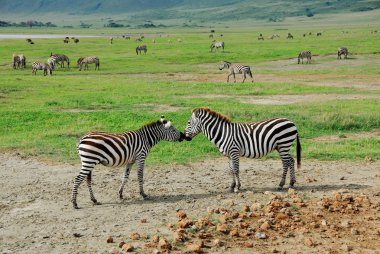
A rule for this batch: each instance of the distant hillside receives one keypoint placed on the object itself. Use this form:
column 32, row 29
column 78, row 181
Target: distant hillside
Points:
column 193, row 10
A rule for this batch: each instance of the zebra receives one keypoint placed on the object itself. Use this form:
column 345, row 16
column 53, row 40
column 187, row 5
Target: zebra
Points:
column 290, row 36
column 252, row 140
column 236, row 69
column 41, row 66
column 61, row 58
column 116, row 150
column 342, row 51
column 304, row 54
column 18, row 61
column 216, row 45
column 88, row 60
column 141, row 48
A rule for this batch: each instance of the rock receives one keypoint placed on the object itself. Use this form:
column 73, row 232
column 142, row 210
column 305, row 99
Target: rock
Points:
column 110, row 239
column 217, row 243
column 354, row 231
column 155, row 239
column 181, row 215
column 282, row 216
column 246, row 208
column 260, row 235
column 324, row 223
column 128, row 247
column 194, row 248
column 222, row 228
column 184, row 223
column 309, row 242
column 143, row 221
column 179, row 236
column 115, row 251
column 163, row 244
column 121, row 244
column 234, row 232
column 346, row 248
column 135, row 236
column 265, row 226
column 248, row 245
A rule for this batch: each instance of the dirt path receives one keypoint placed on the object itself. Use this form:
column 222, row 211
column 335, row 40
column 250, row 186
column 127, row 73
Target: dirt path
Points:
column 37, row 216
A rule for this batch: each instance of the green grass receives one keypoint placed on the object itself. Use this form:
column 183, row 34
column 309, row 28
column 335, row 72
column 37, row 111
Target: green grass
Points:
column 45, row 116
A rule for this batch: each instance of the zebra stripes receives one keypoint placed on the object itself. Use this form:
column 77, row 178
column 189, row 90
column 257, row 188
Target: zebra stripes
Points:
column 18, row 61
column 252, row 140
column 59, row 58
column 304, row 54
column 236, row 69
column 88, row 60
column 141, row 48
column 342, row 51
column 216, row 45
column 116, row 150
column 41, row 66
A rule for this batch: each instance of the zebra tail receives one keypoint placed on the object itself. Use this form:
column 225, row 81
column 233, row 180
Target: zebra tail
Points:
column 298, row 152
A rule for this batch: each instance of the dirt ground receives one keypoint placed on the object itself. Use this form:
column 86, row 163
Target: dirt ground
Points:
column 37, row 215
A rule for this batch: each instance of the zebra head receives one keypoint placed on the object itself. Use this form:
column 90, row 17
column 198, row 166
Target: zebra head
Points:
column 193, row 127
column 224, row 64
column 169, row 132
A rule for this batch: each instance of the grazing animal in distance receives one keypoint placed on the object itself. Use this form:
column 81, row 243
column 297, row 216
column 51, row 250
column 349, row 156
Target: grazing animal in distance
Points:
column 319, row 34
column 41, row 66
column 88, row 60
column 66, row 41
column 304, row 54
column 116, row 150
column 252, row 140
column 61, row 58
column 141, row 48
column 260, row 37
column 342, row 51
column 216, row 45
column 290, row 36
column 18, row 61
column 236, row 69
column 76, row 40
column 111, row 40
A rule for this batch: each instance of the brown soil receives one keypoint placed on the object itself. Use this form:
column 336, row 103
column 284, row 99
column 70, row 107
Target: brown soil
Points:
column 37, row 215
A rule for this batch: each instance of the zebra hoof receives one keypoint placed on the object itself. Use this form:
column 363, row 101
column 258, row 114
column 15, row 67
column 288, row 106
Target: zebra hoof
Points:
column 97, row 203
column 75, row 206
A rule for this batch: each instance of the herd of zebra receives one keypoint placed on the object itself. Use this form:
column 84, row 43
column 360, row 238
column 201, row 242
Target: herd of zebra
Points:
column 234, row 140
column 19, row 61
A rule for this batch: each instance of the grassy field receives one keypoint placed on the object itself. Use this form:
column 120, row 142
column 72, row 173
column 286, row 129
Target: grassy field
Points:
column 45, row 116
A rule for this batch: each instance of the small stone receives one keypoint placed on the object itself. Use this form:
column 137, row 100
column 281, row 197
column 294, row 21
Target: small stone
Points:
column 115, row 251
column 184, row 223
column 324, row 223
column 143, row 221
column 265, row 226
column 309, row 242
column 354, row 231
column 234, row 232
column 110, row 239
column 181, row 215
column 135, row 236
column 217, row 243
column 246, row 208
column 248, row 245
column 346, row 248
column 163, row 244
column 282, row 216
column 121, row 244
column 128, row 247
column 222, row 228
column 260, row 235
column 155, row 239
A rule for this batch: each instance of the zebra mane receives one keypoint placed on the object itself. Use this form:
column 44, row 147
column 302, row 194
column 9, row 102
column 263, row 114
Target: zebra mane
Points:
column 213, row 113
column 152, row 124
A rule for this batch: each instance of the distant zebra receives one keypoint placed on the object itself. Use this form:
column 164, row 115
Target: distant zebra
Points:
column 304, row 54
column 18, row 61
column 88, row 60
column 60, row 58
column 216, row 45
column 290, row 36
column 41, row 66
column 252, row 140
column 116, row 150
column 141, row 48
column 236, row 69
column 342, row 51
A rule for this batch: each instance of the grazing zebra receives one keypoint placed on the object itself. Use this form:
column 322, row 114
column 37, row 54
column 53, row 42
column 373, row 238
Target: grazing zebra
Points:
column 236, row 69
column 304, row 54
column 141, row 48
column 88, row 60
column 290, row 36
column 216, row 45
column 116, row 150
column 76, row 40
column 342, row 51
column 41, row 66
column 252, row 140
column 18, row 61
column 60, row 58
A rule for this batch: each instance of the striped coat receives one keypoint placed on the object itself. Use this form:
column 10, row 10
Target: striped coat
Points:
column 236, row 69
column 18, row 61
column 88, row 60
column 216, row 45
column 304, row 54
column 116, row 150
column 41, row 66
column 342, row 51
column 60, row 59
column 252, row 140
column 141, row 48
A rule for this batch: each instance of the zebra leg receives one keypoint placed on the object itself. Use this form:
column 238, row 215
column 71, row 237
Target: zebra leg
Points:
column 286, row 162
column 124, row 180
column 292, row 172
column 234, row 169
column 244, row 77
column 93, row 199
column 140, row 177
column 234, row 77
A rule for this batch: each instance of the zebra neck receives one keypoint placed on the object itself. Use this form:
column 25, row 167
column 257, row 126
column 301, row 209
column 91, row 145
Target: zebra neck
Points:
column 218, row 132
column 150, row 135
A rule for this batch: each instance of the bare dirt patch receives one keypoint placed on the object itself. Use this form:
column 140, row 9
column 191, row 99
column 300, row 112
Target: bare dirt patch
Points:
column 351, row 136
column 37, row 215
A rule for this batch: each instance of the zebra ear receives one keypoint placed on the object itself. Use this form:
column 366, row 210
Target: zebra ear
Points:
column 162, row 118
column 168, row 124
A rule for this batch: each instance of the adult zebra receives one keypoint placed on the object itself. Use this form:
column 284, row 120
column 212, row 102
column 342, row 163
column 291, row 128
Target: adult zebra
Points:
column 236, row 69
column 60, row 58
column 88, row 60
column 342, row 51
column 18, row 61
column 216, row 45
column 304, row 54
column 41, row 66
column 141, row 48
column 115, row 150
column 252, row 140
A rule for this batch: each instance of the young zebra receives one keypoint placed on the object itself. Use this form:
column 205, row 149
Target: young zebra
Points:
column 141, row 48
column 41, row 66
column 60, row 58
column 304, row 54
column 116, row 150
column 236, row 69
column 252, row 140
column 342, row 51
column 88, row 60
column 216, row 45
column 18, row 61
